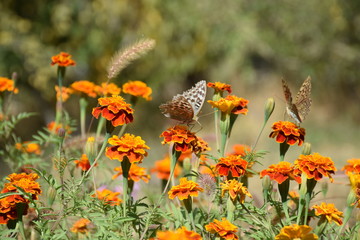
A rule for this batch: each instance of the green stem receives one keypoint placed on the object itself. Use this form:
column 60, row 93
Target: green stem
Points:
column 59, row 105
column 224, row 131
column 100, row 127
column 122, row 130
column 258, row 137
column 230, row 209
column 125, row 165
column 83, row 105
column 216, row 122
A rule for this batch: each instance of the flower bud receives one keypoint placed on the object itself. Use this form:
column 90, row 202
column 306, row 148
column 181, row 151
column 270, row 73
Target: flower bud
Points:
column 266, row 183
column 90, row 149
column 51, row 195
column 187, row 165
column 306, row 149
column 269, row 108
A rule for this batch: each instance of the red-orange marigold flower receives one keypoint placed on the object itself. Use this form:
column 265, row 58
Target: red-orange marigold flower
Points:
column 233, row 164
column 231, row 104
column 236, row 190
column 137, row 89
column 179, row 234
column 280, row 172
column 329, row 211
column 107, row 89
column 83, row 163
column 288, row 132
column 353, row 166
column 24, row 181
column 136, row 173
column 224, row 229
column 185, row 189
column 220, row 87
column 63, row 59
column 8, row 207
column 162, row 168
column 314, row 166
column 65, row 93
column 109, row 197
column 183, row 139
column 7, row 85
column 128, row 145
column 114, row 109
column 29, row 147
column 84, row 87
column 296, row 232
column 81, row 226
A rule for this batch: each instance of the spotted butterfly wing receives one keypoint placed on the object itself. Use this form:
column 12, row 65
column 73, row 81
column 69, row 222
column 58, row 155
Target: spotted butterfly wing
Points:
column 185, row 107
column 301, row 107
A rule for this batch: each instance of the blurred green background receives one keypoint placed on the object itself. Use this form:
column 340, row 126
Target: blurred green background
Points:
column 249, row 44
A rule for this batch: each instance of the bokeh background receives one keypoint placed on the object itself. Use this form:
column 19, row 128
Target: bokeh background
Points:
column 248, row 44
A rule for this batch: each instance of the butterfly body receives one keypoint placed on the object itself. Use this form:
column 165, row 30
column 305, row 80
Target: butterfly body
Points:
column 301, row 107
column 185, row 107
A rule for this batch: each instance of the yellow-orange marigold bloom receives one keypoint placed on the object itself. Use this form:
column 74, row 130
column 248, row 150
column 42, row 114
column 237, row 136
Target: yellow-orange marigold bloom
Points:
column 295, row 231
column 235, row 189
column 24, row 181
column 65, row 93
column 288, row 132
column 29, row 147
column 183, row 139
column 179, row 234
column 107, row 89
column 280, row 172
column 231, row 104
column 353, row 166
column 83, row 163
column 233, row 164
column 128, row 145
column 329, row 211
column 224, row 229
column 84, row 87
column 355, row 184
column 81, row 226
column 241, row 149
column 63, row 59
column 8, row 207
column 7, row 85
column 114, row 109
column 54, row 127
column 109, row 197
column 314, row 166
column 220, row 87
column 136, row 173
column 185, row 189
column 162, row 168
column 137, row 89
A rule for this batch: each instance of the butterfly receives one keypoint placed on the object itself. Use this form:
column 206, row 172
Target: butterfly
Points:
column 301, row 107
column 186, row 106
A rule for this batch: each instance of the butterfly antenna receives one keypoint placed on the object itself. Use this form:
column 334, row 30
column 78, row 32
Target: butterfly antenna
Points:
column 206, row 114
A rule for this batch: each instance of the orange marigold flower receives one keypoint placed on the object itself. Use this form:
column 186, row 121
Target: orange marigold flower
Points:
column 114, row 109
column 231, row 104
column 109, row 197
column 65, row 93
column 81, row 226
column 220, row 87
column 84, row 87
column 29, row 147
column 288, row 132
column 224, row 229
column 7, row 85
column 233, row 164
column 24, row 181
column 63, row 60
column 314, row 166
column 353, row 166
column 185, row 189
column 179, row 234
column 183, row 139
column 236, row 190
column 137, row 89
column 280, row 172
column 129, row 146
column 328, row 211
column 107, row 89
column 8, row 207
column 162, row 168
column 355, row 184
column 136, row 173
column 241, row 149
column 54, row 127
column 83, row 163
column 296, row 232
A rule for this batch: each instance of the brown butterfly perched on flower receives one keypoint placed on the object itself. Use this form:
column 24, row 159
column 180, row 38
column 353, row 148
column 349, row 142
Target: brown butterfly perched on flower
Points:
column 186, row 106
column 301, row 107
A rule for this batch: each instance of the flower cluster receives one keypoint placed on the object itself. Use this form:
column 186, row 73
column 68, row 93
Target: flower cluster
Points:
column 130, row 146
column 288, row 132
column 8, row 205
column 235, row 189
column 7, row 85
